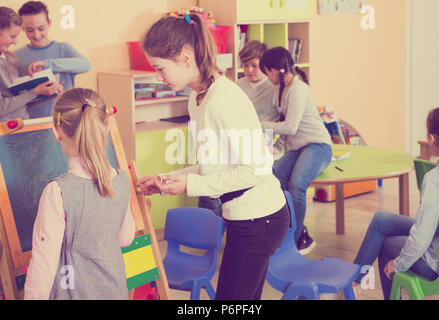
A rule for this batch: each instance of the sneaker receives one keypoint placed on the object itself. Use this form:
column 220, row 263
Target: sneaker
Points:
column 305, row 244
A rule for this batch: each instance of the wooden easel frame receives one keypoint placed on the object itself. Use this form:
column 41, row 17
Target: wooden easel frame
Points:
column 12, row 259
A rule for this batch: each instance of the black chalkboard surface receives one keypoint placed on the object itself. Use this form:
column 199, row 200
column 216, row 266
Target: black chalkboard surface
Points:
column 29, row 160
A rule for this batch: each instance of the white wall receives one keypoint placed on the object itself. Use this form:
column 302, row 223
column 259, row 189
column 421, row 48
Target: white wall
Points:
column 422, row 68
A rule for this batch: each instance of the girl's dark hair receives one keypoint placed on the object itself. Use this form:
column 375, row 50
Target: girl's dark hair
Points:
column 8, row 17
column 433, row 123
column 280, row 58
column 31, row 8
column 167, row 37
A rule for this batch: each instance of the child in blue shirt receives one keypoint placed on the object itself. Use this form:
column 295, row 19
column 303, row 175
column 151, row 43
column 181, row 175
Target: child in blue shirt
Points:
column 42, row 53
column 403, row 243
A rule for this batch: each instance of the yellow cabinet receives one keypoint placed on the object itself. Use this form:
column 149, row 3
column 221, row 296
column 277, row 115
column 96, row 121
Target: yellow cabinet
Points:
column 251, row 10
column 295, row 9
column 273, row 10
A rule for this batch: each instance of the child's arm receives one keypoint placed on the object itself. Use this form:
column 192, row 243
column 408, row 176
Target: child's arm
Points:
column 126, row 234
column 296, row 100
column 423, row 231
column 10, row 104
column 47, row 237
column 71, row 61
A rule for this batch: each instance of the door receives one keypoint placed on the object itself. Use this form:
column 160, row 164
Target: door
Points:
column 422, row 68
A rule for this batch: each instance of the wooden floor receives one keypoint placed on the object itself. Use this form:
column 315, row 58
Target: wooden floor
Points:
column 320, row 220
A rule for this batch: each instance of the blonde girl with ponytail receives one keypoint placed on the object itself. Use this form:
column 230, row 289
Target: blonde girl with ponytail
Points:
column 253, row 205
column 84, row 216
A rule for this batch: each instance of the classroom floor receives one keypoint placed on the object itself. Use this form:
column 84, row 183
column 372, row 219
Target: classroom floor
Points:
column 320, row 220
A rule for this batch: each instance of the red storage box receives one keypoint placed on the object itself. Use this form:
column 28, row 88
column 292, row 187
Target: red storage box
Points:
column 138, row 57
column 220, row 35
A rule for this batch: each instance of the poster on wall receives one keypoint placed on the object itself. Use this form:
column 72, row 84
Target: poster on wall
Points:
column 340, row 6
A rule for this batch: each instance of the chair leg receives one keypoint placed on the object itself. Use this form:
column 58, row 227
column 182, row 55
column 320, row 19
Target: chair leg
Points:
column 195, row 292
column 306, row 291
column 210, row 290
column 395, row 294
column 349, row 293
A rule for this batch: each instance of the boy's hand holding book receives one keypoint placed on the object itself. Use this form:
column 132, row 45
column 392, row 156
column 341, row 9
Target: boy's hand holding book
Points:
column 35, row 67
column 49, row 88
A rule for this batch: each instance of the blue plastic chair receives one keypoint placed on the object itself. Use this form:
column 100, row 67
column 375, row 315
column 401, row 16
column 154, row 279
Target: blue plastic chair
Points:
column 194, row 228
column 297, row 276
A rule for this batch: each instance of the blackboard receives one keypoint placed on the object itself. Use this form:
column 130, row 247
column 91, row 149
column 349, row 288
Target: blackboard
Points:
column 29, row 160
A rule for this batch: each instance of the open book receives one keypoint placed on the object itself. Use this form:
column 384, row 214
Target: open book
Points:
column 340, row 155
column 26, row 83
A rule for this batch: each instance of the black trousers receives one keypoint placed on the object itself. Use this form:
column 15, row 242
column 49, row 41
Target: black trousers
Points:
column 249, row 246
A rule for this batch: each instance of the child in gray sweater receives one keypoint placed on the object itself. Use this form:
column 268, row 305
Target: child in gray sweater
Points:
column 15, row 106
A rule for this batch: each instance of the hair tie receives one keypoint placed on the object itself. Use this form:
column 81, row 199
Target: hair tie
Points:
column 188, row 19
column 85, row 105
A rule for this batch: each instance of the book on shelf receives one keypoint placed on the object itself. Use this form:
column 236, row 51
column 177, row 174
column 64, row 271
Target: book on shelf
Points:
column 26, row 83
column 340, row 154
column 295, row 48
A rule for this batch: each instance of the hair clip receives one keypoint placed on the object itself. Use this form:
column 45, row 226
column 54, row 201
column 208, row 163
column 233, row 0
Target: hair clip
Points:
column 91, row 103
column 58, row 121
column 188, row 19
column 111, row 111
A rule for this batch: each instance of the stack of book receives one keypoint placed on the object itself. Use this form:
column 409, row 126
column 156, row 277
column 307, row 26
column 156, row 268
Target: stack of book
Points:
column 151, row 88
column 295, row 48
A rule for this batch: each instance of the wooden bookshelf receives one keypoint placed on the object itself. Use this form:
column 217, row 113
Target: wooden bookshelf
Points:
column 273, row 22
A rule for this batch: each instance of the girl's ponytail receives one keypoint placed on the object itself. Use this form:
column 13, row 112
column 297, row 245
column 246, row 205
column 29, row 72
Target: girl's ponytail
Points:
column 92, row 149
column 205, row 55
column 302, row 74
column 81, row 114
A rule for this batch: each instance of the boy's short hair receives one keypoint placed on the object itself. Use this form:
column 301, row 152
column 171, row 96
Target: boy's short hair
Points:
column 32, row 8
column 252, row 50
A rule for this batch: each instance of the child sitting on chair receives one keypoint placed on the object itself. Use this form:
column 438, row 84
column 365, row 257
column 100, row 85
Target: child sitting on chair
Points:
column 402, row 243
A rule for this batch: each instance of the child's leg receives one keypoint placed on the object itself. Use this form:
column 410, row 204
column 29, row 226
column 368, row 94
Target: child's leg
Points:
column 312, row 160
column 282, row 168
column 382, row 226
column 249, row 246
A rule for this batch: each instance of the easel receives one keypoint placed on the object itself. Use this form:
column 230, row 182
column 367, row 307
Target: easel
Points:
column 12, row 259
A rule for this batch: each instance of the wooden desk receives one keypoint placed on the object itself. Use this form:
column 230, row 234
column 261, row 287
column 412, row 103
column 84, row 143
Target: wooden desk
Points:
column 424, row 150
column 366, row 163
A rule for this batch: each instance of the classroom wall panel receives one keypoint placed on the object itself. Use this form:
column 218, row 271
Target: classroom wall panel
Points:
column 361, row 73
column 102, row 28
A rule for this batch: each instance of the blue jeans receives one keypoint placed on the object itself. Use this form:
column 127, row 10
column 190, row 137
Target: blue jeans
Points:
column 296, row 169
column 384, row 239
column 249, row 246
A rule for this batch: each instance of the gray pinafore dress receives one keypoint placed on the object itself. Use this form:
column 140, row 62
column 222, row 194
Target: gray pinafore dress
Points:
column 91, row 264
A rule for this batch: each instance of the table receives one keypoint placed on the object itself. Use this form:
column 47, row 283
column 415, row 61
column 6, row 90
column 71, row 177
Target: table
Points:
column 366, row 163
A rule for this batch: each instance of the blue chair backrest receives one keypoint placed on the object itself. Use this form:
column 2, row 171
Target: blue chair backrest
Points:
column 194, row 227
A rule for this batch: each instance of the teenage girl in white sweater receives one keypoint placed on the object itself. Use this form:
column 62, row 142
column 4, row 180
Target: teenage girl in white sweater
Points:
column 254, row 207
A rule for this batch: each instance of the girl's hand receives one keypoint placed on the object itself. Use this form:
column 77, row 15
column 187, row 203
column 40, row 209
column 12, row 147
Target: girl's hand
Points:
column 34, row 67
column 173, row 184
column 148, row 185
column 49, row 88
column 389, row 270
